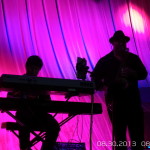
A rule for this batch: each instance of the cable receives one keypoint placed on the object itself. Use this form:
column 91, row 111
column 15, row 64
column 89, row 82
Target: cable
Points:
column 75, row 128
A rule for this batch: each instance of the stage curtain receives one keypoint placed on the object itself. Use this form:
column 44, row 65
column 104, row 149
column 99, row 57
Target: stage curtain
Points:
column 59, row 31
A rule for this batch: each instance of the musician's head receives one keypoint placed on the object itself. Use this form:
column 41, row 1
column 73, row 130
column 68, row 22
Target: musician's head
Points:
column 119, row 41
column 33, row 65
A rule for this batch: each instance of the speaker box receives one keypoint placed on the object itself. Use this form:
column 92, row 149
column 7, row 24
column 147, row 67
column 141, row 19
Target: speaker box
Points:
column 69, row 146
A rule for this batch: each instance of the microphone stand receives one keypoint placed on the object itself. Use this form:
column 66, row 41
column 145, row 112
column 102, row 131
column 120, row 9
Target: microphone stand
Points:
column 91, row 120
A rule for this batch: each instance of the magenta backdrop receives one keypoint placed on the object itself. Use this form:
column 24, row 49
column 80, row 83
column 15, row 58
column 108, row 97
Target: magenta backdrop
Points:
column 61, row 30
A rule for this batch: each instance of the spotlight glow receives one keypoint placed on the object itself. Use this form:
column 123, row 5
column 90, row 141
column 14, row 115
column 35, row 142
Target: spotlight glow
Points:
column 136, row 18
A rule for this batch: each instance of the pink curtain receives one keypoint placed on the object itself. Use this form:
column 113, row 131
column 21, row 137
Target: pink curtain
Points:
column 61, row 30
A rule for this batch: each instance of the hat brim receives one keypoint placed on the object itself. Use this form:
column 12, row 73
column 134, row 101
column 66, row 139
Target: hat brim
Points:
column 125, row 39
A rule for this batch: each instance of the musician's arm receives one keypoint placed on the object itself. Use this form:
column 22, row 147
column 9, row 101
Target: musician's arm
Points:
column 140, row 69
column 98, row 75
column 137, row 71
column 45, row 97
column 13, row 94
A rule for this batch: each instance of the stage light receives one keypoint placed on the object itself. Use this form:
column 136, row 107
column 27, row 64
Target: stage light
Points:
column 136, row 18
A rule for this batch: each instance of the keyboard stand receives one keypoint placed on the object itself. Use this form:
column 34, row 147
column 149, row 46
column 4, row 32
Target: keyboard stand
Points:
column 12, row 126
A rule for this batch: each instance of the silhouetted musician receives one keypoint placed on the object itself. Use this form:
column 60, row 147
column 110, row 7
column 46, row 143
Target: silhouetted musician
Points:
column 33, row 117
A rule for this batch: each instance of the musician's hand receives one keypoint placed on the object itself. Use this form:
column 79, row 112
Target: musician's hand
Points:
column 128, row 73
column 70, row 114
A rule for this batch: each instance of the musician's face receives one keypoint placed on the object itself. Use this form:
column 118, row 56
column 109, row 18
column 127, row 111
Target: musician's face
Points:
column 119, row 45
column 33, row 70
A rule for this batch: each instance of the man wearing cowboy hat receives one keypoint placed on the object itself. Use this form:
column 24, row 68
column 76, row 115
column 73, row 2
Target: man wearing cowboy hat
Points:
column 117, row 74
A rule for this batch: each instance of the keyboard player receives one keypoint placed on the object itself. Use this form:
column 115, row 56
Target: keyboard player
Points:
column 35, row 117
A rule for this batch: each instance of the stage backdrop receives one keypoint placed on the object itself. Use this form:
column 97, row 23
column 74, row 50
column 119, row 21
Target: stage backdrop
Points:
column 59, row 31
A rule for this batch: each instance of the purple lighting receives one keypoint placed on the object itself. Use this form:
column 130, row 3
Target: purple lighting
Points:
column 59, row 31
